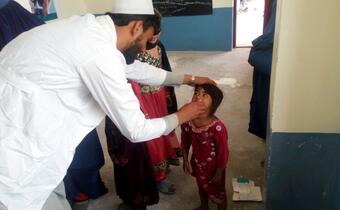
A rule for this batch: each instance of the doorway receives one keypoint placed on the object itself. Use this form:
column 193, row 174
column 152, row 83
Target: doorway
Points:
column 248, row 21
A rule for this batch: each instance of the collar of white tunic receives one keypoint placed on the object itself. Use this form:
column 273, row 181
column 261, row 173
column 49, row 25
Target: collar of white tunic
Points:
column 106, row 22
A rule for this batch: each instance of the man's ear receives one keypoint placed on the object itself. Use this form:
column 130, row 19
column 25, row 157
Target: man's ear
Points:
column 136, row 28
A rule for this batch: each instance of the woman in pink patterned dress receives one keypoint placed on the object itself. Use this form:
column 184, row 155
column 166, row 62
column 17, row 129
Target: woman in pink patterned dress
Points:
column 209, row 140
column 159, row 101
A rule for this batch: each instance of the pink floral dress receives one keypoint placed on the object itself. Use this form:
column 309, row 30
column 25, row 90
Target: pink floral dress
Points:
column 209, row 152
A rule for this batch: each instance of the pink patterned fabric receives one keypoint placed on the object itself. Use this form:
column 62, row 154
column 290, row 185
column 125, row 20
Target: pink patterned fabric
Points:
column 209, row 152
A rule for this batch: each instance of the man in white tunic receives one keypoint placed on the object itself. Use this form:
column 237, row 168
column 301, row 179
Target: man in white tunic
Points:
column 57, row 82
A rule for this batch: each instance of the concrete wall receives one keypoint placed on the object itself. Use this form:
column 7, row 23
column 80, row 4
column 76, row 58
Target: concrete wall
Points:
column 206, row 32
column 302, row 169
column 105, row 5
column 66, row 8
column 306, row 67
column 98, row 7
column 222, row 3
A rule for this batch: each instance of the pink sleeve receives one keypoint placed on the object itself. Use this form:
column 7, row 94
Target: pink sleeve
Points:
column 185, row 139
column 221, row 139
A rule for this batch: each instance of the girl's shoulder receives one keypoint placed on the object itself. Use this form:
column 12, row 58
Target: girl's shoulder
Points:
column 218, row 125
column 211, row 126
column 215, row 125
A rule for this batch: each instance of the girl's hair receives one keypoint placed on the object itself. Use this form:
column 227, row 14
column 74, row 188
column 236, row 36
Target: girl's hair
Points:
column 215, row 93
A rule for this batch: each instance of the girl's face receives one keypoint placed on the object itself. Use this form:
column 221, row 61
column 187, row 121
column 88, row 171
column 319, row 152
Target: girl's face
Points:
column 201, row 95
column 155, row 38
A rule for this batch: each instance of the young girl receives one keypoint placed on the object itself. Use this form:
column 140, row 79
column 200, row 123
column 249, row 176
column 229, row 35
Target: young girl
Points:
column 209, row 139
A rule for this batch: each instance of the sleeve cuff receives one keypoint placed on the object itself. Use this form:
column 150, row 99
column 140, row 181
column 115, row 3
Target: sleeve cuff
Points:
column 173, row 79
column 171, row 122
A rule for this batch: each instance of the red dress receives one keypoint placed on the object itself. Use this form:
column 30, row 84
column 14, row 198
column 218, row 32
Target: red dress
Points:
column 154, row 101
column 209, row 152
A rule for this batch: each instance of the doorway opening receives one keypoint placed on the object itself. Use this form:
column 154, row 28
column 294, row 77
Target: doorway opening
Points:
column 248, row 21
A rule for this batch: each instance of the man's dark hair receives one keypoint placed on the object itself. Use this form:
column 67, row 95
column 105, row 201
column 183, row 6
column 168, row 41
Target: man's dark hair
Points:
column 158, row 22
column 125, row 19
column 215, row 93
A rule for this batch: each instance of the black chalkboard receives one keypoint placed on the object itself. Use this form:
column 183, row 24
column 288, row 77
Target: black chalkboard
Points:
column 183, row 7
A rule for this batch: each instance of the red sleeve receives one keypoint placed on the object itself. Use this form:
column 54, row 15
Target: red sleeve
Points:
column 222, row 150
column 185, row 137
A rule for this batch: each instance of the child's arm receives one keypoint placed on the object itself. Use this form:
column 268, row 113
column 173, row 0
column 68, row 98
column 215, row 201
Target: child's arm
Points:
column 222, row 153
column 185, row 144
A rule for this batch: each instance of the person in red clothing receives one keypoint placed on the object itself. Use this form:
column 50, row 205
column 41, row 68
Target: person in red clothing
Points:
column 209, row 140
column 159, row 101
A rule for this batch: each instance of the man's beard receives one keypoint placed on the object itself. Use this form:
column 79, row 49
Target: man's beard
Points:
column 130, row 53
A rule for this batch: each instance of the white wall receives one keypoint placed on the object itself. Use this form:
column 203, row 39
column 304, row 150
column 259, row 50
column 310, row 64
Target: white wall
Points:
column 305, row 94
column 106, row 5
column 222, row 3
column 98, row 6
column 101, row 6
column 67, row 8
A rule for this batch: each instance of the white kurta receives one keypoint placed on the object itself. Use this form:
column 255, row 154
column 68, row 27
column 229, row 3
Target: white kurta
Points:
column 57, row 82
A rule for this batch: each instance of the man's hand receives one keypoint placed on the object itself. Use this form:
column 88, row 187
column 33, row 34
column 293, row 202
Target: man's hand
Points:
column 190, row 111
column 197, row 80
